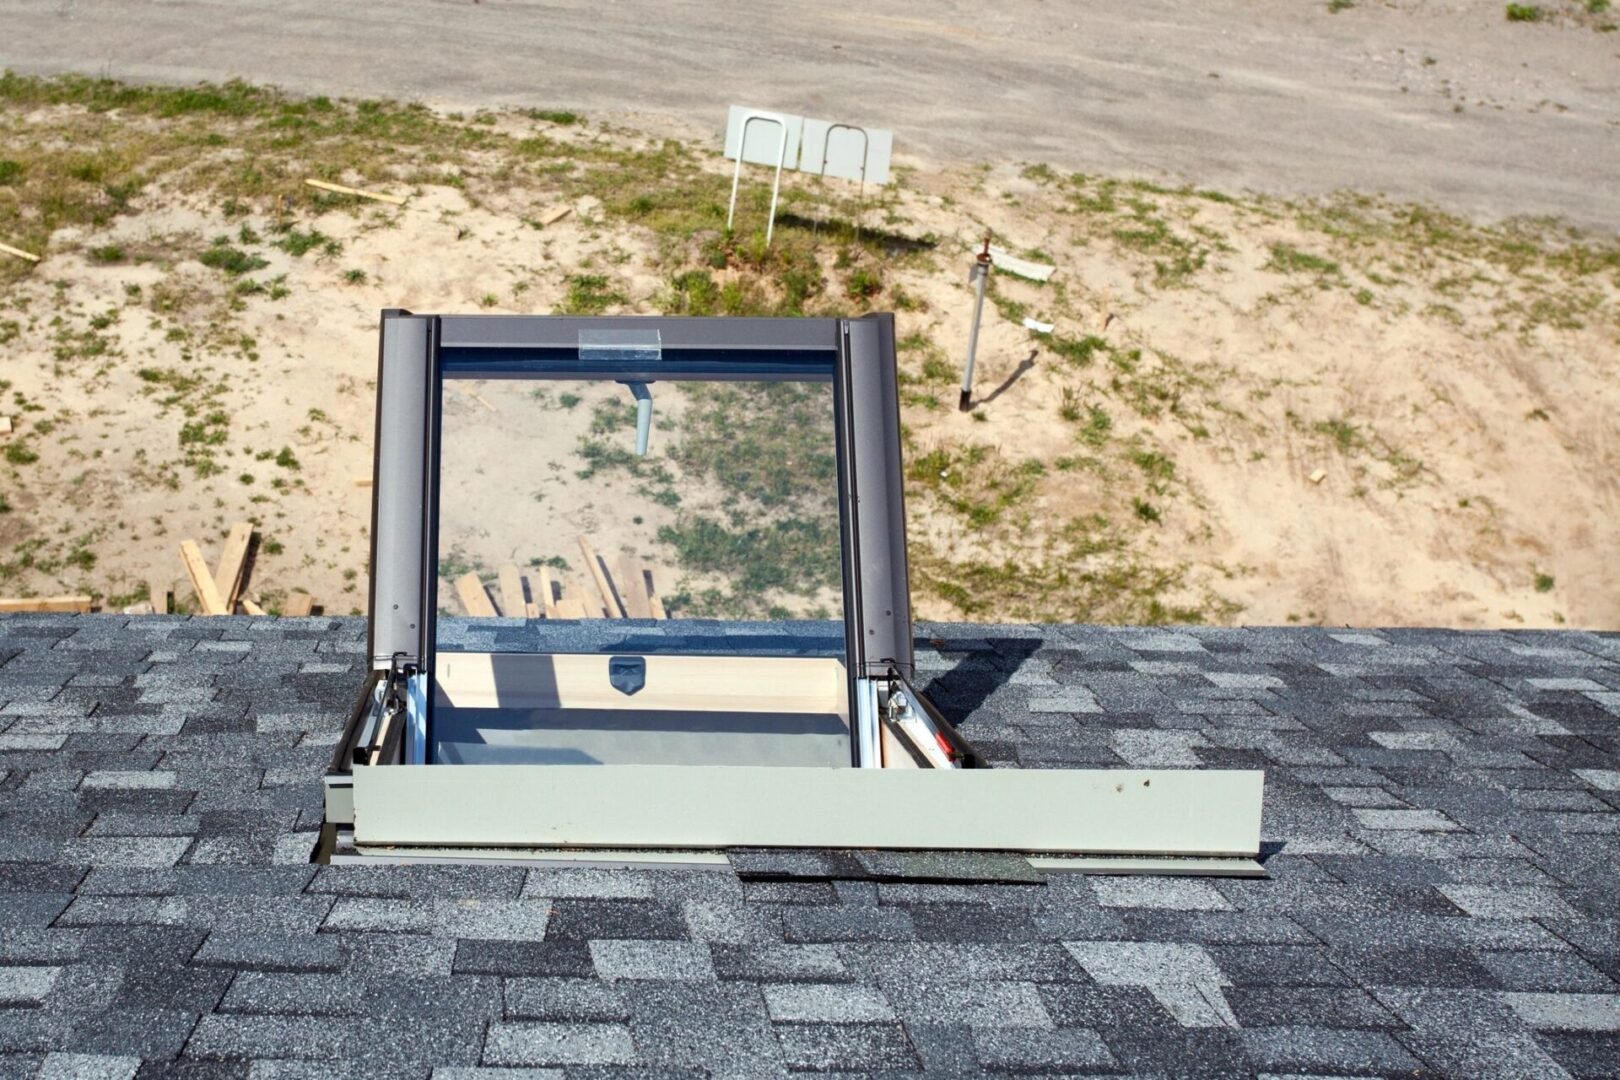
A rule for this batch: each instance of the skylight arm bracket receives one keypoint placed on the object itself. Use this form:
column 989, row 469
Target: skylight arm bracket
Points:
column 643, row 397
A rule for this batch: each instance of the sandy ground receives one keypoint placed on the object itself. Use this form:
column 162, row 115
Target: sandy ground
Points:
column 1438, row 100
column 1466, row 446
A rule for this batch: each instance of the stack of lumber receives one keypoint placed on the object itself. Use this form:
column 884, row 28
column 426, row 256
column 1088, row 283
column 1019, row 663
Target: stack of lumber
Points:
column 223, row 590
column 619, row 587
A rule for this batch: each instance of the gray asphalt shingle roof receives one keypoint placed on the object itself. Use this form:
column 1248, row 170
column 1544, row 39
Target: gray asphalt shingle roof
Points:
column 1441, row 828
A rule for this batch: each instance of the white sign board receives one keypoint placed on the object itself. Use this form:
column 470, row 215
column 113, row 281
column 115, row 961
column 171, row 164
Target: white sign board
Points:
column 756, row 135
column 846, row 151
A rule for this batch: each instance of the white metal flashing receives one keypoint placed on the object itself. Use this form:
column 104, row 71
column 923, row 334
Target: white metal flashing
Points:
column 1093, row 812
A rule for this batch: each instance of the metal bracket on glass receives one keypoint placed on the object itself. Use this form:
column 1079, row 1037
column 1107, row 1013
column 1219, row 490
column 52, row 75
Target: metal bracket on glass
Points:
column 637, row 345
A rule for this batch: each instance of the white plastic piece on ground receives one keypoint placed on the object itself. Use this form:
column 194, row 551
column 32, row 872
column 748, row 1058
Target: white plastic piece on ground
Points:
column 1006, row 260
column 1038, row 327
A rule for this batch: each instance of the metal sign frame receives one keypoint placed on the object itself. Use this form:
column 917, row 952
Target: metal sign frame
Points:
column 790, row 129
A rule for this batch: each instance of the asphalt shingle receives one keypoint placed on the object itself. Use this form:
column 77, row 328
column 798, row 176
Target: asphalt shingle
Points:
column 1441, row 823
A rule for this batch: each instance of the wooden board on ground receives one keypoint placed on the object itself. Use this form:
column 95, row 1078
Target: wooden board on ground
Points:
column 157, row 592
column 546, row 597
column 473, row 597
column 653, row 602
column 572, row 607
column 583, row 592
column 554, row 215
column 228, row 575
column 79, row 604
column 610, row 602
column 397, row 200
column 19, row 252
column 202, row 581
column 513, row 606
column 5, row 425
column 251, row 608
column 298, row 605
column 632, row 588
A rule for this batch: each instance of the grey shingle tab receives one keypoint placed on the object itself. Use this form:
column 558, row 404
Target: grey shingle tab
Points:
column 1442, row 820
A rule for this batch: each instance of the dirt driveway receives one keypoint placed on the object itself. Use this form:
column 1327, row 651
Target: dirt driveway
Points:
column 1447, row 102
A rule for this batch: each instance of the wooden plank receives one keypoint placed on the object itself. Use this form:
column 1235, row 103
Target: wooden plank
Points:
column 19, row 252
column 572, row 607
column 554, row 215
column 632, row 587
column 474, row 597
column 610, row 602
column 397, row 200
column 298, row 605
column 251, row 608
column 5, row 425
column 513, row 606
column 78, row 604
column 653, row 602
column 228, row 575
column 201, row 580
column 157, row 592
column 753, row 684
column 586, row 595
column 548, row 599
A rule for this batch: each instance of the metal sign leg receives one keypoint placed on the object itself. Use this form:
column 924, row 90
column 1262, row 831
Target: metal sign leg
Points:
column 776, row 186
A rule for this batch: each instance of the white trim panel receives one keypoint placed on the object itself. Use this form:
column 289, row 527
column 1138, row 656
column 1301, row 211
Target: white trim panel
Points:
column 1091, row 812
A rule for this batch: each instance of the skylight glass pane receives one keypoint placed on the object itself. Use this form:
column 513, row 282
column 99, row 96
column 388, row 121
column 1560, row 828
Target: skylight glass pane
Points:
column 730, row 518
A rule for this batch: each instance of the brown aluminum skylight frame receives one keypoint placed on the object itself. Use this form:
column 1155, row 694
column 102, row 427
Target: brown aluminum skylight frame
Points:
column 382, row 792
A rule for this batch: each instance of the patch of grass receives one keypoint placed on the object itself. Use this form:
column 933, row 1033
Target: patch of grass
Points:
column 1094, row 432
column 354, row 276
column 10, row 171
column 298, row 242
column 231, row 260
column 1288, row 259
column 1525, row 13
column 1343, row 434
column 1152, row 235
column 1077, row 351
column 795, row 555
column 1544, row 582
column 693, row 292
column 863, row 284
column 770, row 443
column 287, row 459
column 977, row 482
column 1158, row 468
column 107, row 253
column 20, row 453
column 560, row 117
column 590, row 294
